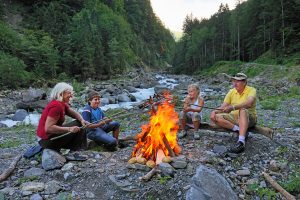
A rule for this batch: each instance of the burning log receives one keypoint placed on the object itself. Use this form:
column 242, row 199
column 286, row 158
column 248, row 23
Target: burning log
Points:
column 167, row 145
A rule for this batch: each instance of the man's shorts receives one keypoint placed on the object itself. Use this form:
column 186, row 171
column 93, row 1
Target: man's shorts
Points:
column 252, row 119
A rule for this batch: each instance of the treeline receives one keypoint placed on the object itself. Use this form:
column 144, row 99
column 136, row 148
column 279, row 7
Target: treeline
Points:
column 253, row 28
column 79, row 39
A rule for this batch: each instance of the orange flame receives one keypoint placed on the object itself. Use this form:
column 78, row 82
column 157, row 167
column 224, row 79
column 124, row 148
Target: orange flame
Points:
column 163, row 124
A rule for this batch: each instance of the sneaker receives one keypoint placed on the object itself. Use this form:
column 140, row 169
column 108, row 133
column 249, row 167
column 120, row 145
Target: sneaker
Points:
column 181, row 134
column 122, row 144
column 238, row 148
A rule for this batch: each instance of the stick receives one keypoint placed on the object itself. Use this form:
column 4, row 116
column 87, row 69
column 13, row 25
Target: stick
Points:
column 149, row 175
column 278, row 187
column 10, row 169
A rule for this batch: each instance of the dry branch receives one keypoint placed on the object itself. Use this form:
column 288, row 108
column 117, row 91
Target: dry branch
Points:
column 149, row 175
column 278, row 187
column 10, row 169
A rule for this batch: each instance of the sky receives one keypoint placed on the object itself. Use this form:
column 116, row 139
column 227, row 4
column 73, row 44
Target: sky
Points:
column 173, row 12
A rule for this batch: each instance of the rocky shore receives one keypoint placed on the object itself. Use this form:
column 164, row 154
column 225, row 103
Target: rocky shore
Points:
column 205, row 169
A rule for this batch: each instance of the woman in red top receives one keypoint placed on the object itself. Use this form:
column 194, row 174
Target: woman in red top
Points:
column 53, row 117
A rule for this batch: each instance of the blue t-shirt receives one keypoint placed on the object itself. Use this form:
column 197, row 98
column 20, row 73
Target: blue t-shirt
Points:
column 92, row 115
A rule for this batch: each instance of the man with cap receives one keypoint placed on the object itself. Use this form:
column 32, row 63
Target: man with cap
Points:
column 238, row 111
column 100, row 125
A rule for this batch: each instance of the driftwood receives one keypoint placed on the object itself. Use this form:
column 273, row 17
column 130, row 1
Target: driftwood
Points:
column 278, row 187
column 10, row 169
column 149, row 175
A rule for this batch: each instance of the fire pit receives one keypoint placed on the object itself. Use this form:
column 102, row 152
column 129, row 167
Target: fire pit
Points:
column 157, row 141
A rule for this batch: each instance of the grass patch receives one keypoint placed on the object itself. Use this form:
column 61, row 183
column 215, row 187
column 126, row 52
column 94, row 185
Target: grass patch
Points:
column 10, row 143
column 228, row 67
column 163, row 180
column 27, row 179
column 270, row 104
column 292, row 185
column 263, row 193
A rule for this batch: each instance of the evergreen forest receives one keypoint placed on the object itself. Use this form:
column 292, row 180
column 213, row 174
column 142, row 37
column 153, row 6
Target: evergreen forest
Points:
column 49, row 40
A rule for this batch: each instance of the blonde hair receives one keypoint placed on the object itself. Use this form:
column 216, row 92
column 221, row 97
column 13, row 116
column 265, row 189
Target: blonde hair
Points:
column 59, row 88
column 194, row 86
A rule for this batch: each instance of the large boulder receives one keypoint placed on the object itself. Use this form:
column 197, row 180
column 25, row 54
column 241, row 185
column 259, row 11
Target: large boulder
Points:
column 33, row 95
column 208, row 184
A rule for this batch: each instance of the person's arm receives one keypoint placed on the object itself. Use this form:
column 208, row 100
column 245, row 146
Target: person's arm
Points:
column 51, row 127
column 247, row 104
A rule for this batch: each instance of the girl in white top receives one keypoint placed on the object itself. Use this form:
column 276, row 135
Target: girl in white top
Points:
column 192, row 108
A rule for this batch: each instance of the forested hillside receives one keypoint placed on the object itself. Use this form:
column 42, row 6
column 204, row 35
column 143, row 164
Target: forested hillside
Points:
column 59, row 39
column 254, row 28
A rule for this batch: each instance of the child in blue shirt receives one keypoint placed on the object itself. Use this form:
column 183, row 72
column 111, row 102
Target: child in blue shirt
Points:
column 100, row 125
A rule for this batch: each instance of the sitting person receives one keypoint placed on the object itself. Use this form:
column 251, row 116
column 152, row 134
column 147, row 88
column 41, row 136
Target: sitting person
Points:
column 238, row 112
column 100, row 125
column 53, row 117
column 191, row 113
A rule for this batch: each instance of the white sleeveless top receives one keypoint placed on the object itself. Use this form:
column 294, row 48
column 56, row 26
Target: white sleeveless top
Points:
column 195, row 105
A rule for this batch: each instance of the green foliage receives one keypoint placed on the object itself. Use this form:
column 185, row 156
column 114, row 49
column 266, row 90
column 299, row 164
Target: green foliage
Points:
column 77, row 87
column 270, row 104
column 85, row 39
column 260, row 31
column 39, row 53
column 292, row 185
column 12, row 72
column 164, row 179
column 254, row 70
column 282, row 150
column 10, row 143
column 262, row 192
column 27, row 179
column 294, row 91
column 228, row 67
column 64, row 196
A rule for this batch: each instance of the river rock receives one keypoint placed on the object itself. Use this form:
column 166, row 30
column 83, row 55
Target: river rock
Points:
column 209, row 184
column 52, row 160
column 20, row 115
column 34, row 172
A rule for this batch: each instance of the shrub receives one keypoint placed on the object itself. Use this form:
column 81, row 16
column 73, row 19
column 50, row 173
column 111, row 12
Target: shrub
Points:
column 12, row 73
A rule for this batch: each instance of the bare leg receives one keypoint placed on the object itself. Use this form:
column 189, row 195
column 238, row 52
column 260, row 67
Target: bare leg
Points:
column 243, row 122
column 196, row 125
column 116, row 133
column 182, row 124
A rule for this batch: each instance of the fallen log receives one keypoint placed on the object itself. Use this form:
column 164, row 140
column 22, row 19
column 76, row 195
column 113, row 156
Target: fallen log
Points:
column 10, row 169
column 268, row 132
column 278, row 187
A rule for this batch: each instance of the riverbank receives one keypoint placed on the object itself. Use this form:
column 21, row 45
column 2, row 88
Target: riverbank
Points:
column 105, row 175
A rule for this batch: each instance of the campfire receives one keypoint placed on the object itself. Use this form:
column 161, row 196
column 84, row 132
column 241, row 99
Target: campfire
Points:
column 158, row 138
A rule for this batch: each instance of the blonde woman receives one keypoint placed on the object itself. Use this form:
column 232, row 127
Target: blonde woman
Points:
column 191, row 113
column 53, row 117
